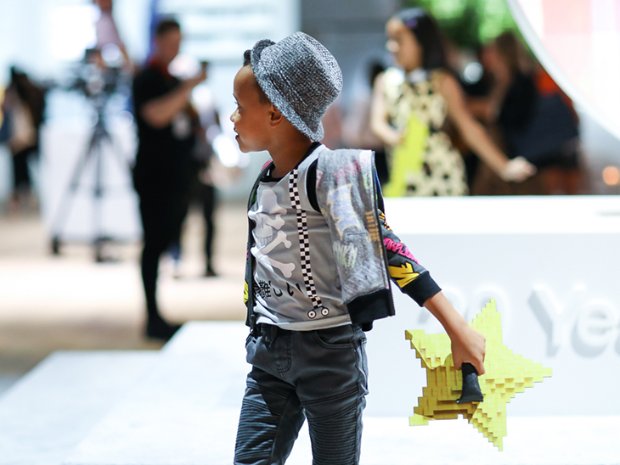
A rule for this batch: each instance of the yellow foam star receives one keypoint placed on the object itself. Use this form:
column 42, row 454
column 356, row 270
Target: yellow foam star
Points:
column 506, row 375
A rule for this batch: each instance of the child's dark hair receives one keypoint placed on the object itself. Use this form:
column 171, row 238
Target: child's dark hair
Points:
column 426, row 31
column 166, row 25
column 247, row 61
column 512, row 51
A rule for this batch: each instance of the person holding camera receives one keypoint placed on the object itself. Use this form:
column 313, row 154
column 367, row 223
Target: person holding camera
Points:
column 167, row 126
column 107, row 34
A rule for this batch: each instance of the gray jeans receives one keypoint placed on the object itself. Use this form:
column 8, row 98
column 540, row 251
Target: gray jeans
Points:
column 319, row 375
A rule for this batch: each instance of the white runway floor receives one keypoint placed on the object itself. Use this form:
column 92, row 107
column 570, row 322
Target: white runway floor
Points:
column 180, row 406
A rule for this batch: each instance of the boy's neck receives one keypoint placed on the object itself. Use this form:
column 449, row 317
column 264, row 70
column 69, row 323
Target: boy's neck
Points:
column 287, row 156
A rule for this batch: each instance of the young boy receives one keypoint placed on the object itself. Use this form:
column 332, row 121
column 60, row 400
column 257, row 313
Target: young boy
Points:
column 317, row 274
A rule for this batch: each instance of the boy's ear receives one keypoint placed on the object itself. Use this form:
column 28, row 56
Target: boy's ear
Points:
column 275, row 116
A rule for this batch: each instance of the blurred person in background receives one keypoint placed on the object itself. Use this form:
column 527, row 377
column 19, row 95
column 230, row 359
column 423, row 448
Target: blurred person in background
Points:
column 475, row 89
column 566, row 173
column 23, row 110
column 167, row 125
column 107, row 36
column 204, row 182
column 207, row 174
column 412, row 106
column 332, row 123
column 533, row 118
column 356, row 131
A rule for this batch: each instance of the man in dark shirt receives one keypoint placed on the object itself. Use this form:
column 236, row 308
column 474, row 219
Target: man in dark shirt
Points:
column 167, row 127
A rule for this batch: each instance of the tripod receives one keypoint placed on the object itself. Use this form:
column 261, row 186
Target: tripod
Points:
column 94, row 154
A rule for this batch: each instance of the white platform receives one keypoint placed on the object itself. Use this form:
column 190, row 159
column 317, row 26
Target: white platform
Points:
column 180, row 407
column 551, row 265
column 46, row 414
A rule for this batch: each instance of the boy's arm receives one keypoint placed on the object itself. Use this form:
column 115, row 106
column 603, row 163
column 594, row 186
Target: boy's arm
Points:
column 467, row 344
column 415, row 281
column 410, row 277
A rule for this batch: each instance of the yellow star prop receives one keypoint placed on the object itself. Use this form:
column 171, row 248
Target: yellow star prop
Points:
column 506, row 375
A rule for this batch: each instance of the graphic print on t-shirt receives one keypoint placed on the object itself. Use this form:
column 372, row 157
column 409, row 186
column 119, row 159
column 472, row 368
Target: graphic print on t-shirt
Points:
column 268, row 232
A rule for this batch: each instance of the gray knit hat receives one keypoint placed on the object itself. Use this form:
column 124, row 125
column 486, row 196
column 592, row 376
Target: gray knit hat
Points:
column 300, row 77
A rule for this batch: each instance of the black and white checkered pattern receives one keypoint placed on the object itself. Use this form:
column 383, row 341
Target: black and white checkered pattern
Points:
column 304, row 247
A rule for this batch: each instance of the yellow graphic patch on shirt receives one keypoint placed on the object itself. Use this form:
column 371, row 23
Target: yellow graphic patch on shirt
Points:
column 245, row 292
column 403, row 274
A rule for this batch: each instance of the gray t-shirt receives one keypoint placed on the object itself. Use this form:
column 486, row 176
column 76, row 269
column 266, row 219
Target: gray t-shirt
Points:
column 296, row 281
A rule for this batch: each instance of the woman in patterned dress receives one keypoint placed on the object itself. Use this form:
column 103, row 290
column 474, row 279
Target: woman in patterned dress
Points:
column 412, row 105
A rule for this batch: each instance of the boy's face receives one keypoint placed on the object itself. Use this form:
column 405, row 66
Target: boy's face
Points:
column 252, row 115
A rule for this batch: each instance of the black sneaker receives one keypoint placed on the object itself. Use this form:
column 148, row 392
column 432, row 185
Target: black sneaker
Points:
column 158, row 328
column 210, row 273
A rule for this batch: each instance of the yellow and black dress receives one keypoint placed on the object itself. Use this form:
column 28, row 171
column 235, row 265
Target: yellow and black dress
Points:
column 425, row 163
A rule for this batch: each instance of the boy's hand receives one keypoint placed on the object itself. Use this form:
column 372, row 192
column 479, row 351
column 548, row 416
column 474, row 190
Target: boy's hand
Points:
column 468, row 345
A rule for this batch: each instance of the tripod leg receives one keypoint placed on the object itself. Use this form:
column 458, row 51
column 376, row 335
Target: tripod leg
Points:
column 65, row 202
column 101, row 136
column 118, row 154
column 99, row 240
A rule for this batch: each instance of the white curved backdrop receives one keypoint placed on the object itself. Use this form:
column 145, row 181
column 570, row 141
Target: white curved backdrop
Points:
column 578, row 42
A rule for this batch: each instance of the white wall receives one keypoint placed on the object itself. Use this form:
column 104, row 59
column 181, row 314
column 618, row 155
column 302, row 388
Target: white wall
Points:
column 550, row 263
column 44, row 36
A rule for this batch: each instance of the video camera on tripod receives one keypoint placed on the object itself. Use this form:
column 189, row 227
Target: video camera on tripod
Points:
column 98, row 77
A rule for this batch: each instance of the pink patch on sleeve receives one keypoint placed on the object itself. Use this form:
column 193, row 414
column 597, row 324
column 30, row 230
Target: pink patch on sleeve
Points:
column 398, row 248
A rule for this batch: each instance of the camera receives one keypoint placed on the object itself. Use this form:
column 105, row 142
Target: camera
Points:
column 96, row 76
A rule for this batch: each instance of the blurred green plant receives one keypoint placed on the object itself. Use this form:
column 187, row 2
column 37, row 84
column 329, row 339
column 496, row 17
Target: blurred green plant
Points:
column 469, row 23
